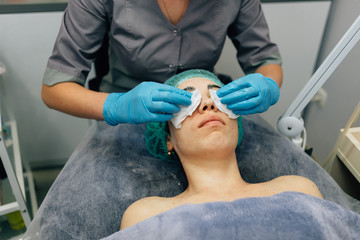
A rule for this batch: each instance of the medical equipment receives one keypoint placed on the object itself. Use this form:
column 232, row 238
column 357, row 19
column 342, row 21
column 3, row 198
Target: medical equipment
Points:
column 290, row 124
column 11, row 159
column 347, row 146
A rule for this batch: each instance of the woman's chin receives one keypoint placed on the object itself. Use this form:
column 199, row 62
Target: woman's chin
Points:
column 219, row 138
column 218, row 145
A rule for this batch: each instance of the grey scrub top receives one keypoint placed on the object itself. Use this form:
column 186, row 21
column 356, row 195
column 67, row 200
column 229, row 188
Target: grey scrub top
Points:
column 145, row 46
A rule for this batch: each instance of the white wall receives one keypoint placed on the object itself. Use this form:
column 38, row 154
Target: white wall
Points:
column 297, row 28
column 26, row 42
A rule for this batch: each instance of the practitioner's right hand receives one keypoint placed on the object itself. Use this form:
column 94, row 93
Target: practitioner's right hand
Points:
column 147, row 102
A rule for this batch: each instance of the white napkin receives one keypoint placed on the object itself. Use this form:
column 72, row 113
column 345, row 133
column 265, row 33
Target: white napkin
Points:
column 187, row 110
column 220, row 106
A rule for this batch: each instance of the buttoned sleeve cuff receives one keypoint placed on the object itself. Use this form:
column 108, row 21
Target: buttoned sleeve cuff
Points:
column 52, row 77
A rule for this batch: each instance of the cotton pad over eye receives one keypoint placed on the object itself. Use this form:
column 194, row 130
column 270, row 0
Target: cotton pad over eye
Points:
column 220, row 106
column 186, row 111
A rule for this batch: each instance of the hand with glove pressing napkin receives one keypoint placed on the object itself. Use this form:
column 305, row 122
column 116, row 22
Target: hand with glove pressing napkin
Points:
column 148, row 102
column 251, row 94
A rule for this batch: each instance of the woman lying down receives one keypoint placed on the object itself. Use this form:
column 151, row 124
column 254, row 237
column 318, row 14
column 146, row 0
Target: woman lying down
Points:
column 218, row 203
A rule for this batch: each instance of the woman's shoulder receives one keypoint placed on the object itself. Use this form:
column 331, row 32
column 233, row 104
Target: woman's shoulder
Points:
column 297, row 184
column 143, row 209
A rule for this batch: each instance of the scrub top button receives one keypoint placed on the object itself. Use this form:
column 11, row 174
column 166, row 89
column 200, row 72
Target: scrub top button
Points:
column 175, row 32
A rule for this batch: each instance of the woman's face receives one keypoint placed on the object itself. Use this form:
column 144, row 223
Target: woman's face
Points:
column 208, row 129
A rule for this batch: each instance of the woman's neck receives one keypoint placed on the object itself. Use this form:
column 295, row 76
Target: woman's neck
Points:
column 212, row 177
column 173, row 10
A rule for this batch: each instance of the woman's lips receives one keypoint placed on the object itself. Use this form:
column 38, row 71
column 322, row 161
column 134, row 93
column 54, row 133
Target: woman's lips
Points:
column 211, row 120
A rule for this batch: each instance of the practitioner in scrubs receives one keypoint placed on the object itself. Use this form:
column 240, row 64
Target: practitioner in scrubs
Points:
column 147, row 43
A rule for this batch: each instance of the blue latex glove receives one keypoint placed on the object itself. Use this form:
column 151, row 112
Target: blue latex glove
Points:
column 251, row 94
column 147, row 102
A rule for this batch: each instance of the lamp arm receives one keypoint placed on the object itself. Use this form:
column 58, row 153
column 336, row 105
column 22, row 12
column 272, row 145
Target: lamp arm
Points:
column 290, row 123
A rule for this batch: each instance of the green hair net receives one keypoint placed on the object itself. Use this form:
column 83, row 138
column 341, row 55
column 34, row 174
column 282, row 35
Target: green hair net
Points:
column 182, row 77
column 156, row 134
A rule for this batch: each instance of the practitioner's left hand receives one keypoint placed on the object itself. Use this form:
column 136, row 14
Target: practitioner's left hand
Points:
column 251, row 94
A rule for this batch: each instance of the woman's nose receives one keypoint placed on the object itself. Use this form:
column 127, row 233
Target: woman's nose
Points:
column 207, row 104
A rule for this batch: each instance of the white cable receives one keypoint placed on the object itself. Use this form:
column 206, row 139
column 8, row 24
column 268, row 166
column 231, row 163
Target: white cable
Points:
column 305, row 138
column 300, row 141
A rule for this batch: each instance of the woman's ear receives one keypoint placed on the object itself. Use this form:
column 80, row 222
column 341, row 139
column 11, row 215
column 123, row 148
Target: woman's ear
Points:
column 169, row 144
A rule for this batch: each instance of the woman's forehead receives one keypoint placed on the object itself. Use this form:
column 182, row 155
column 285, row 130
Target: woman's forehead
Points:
column 195, row 82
